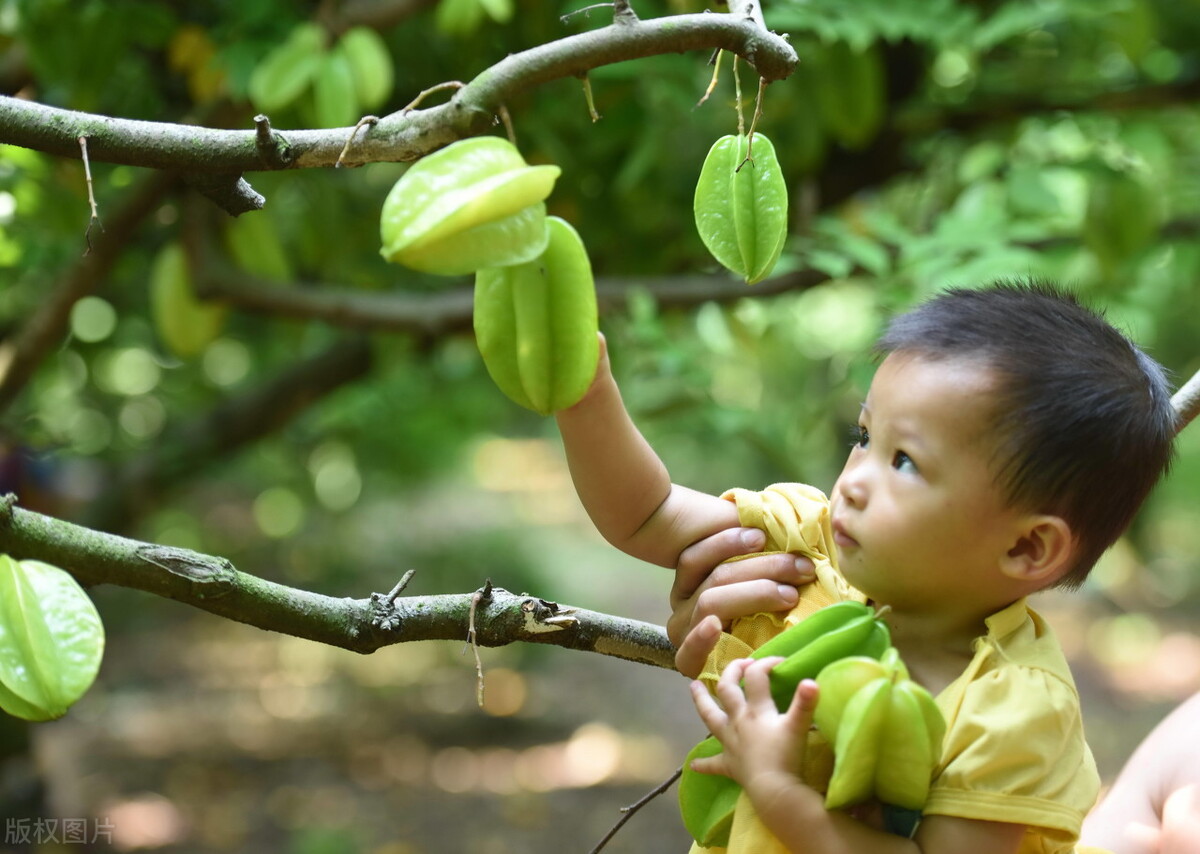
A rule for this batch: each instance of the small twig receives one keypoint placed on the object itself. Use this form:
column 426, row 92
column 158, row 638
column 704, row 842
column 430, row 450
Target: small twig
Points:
column 95, row 213
column 480, row 595
column 399, row 588
column 715, row 62
column 591, row 102
column 629, row 811
column 415, row 102
column 623, row 13
column 586, row 11
column 365, row 120
column 272, row 147
column 506, row 120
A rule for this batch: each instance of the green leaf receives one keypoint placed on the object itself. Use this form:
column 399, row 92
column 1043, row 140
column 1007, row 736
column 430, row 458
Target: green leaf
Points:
column 334, row 95
column 500, row 11
column 185, row 324
column 253, row 242
column 285, row 73
column 370, row 65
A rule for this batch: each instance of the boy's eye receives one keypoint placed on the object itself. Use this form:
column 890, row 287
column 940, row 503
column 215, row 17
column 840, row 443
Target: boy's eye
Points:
column 859, row 436
column 903, row 462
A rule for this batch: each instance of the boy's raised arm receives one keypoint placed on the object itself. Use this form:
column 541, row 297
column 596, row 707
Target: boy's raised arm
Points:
column 623, row 484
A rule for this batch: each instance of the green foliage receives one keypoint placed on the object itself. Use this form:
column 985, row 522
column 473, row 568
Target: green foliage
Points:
column 925, row 144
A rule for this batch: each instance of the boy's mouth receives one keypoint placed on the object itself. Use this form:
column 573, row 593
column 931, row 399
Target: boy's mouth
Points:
column 841, row 537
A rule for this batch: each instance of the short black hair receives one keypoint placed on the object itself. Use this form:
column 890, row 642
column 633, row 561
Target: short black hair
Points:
column 1084, row 426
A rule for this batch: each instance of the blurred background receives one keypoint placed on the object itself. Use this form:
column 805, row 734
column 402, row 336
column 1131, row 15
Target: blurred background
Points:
column 208, row 385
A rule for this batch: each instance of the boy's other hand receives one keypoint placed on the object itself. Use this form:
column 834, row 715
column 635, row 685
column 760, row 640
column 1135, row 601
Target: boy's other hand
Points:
column 706, row 587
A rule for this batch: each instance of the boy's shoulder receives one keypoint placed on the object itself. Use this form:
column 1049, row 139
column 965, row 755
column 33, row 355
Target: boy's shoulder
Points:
column 1018, row 637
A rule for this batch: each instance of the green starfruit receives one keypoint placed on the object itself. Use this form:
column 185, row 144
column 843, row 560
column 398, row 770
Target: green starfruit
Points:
column 476, row 203
column 51, row 640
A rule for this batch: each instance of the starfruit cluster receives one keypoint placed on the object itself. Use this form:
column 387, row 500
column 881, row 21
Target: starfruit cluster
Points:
column 886, row 731
column 476, row 206
column 51, row 640
column 834, row 633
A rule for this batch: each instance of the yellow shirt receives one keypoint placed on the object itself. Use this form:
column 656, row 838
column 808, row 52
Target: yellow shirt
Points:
column 1014, row 748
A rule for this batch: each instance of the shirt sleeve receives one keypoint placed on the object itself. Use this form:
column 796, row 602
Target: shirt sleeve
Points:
column 1015, row 751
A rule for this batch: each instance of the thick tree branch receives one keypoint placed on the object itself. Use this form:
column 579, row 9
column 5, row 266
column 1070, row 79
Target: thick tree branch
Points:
column 213, row 584
column 230, row 426
column 47, row 327
column 430, row 315
column 216, row 158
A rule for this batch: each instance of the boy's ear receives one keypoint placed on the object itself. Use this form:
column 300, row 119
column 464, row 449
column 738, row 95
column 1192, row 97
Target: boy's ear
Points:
column 1042, row 552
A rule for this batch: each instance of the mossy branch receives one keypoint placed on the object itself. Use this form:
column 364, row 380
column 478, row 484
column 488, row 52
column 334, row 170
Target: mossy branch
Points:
column 213, row 584
column 214, row 159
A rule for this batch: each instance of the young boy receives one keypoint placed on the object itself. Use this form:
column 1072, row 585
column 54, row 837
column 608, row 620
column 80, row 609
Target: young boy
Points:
column 1008, row 438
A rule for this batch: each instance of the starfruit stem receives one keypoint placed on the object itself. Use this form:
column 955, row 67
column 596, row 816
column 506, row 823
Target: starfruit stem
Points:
column 882, row 611
column 365, row 120
column 737, row 96
column 506, row 120
column 480, row 596
column 587, row 94
column 95, row 212
column 715, row 62
column 758, row 99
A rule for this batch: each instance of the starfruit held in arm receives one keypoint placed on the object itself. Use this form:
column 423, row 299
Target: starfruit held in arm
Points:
column 475, row 203
column 741, row 205
column 886, row 732
column 51, row 640
column 826, row 636
column 536, row 323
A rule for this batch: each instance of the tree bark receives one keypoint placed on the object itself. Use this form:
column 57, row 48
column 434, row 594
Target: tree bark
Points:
column 489, row 617
column 214, row 160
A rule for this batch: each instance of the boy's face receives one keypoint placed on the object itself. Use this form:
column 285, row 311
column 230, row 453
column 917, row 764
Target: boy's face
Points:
column 917, row 518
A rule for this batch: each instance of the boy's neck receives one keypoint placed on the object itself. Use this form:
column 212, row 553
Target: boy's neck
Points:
column 936, row 645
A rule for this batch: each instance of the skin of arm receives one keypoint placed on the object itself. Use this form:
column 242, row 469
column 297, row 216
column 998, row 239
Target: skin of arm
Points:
column 624, row 485
column 763, row 751
column 1145, row 810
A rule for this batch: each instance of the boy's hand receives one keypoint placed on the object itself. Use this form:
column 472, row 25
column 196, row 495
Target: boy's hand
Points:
column 761, row 747
column 708, row 595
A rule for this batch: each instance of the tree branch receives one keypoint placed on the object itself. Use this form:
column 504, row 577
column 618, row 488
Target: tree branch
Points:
column 213, row 584
column 215, row 159
column 1187, row 402
column 429, row 315
column 45, row 329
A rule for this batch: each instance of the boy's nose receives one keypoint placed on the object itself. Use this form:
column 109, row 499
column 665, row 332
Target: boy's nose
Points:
column 852, row 485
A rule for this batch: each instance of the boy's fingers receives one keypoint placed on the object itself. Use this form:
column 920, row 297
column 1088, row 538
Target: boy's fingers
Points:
column 756, row 677
column 707, row 707
column 729, row 687
column 729, row 602
column 711, row 765
column 700, row 558
column 697, row 646
column 804, row 703
column 702, row 564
